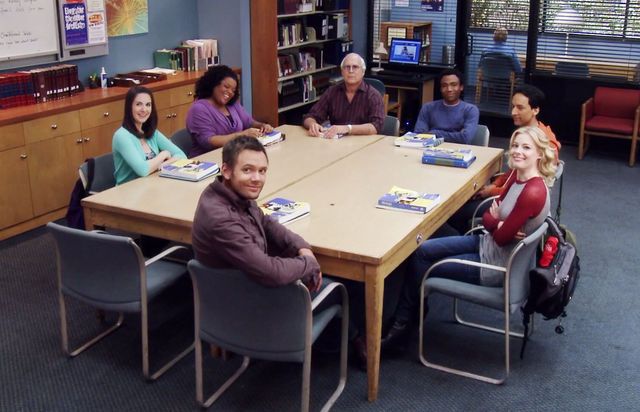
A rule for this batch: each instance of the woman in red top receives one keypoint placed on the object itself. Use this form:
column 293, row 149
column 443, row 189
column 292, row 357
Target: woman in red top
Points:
column 518, row 212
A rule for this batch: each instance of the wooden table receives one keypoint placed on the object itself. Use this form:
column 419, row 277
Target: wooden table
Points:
column 342, row 180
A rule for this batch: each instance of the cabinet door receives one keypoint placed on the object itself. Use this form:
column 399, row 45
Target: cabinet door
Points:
column 15, row 194
column 97, row 140
column 165, row 121
column 51, row 126
column 180, row 119
column 51, row 173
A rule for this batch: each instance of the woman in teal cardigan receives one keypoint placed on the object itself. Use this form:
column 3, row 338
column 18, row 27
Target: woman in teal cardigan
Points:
column 139, row 149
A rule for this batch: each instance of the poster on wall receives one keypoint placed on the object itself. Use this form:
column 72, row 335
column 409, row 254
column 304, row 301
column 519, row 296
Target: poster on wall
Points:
column 75, row 23
column 432, row 5
column 126, row 17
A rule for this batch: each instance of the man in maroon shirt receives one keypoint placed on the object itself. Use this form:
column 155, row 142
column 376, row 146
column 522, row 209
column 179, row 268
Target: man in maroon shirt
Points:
column 351, row 107
column 230, row 230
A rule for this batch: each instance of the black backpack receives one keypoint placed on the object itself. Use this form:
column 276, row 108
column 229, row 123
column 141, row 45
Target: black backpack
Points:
column 75, row 214
column 551, row 288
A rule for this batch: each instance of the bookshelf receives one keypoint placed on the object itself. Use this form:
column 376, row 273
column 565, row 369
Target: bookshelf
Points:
column 306, row 48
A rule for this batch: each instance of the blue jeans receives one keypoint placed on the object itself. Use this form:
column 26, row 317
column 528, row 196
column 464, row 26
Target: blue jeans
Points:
column 431, row 251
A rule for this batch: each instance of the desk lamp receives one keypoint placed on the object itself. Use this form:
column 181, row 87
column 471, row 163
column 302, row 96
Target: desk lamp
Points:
column 380, row 50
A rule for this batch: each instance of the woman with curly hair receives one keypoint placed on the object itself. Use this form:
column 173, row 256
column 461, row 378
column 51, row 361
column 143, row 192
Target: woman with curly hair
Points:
column 216, row 117
column 519, row 211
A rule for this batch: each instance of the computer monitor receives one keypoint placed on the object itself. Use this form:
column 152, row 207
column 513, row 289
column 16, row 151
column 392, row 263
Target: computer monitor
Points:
column 405, row 51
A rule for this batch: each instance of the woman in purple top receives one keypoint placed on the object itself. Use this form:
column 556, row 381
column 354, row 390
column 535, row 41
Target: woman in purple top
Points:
column 216, row 117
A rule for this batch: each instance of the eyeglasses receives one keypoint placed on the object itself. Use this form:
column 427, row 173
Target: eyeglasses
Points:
column 351, row 68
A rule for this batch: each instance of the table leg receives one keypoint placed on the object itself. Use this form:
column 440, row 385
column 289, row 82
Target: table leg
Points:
column 374, row 293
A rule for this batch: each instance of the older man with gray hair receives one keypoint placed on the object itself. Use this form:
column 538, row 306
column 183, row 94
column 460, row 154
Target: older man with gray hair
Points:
column 351, row 107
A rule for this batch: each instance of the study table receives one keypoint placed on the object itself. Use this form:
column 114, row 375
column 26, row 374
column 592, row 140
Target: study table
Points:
column 342, row 180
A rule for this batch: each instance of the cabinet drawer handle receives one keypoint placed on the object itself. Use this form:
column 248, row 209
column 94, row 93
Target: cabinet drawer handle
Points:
column 54, row 126
column 87, row 139
column 105, row 114
column 23, row 156
column 168, row 116
column 190, row 94
column 174, row 115
column 79, row 140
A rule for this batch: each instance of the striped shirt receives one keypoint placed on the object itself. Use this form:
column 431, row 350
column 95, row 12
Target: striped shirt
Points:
column 333, row 106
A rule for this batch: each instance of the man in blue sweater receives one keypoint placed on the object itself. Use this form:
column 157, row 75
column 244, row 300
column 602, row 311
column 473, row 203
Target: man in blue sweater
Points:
column 449, row 118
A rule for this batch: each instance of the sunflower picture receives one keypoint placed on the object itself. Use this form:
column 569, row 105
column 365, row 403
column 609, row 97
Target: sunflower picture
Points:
column 126, row 17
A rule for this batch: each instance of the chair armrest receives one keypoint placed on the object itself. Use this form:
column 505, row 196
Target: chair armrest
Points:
column 326, row 291
column 462, row 262
column 481, row 204
column 474, row 229
column 163, row 254
column 587, row 109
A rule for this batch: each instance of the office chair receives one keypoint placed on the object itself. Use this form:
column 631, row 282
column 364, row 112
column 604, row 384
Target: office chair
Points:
column 495, row 80
column 103, row 178
column 236, row 313
column 572, row 69
column 508, row 298
column 481, row 137
column 182, row 139
column 391, row 126
column 380, row 87
column 109, row 273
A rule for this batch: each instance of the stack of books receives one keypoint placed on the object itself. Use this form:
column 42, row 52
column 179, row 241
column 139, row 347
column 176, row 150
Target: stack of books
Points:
column 417, row 140
column 462, row 157
column 16, row 89
column 189, row 169
column 406, row 200
column 285, row 210
column 271, row 138
column 192, row 55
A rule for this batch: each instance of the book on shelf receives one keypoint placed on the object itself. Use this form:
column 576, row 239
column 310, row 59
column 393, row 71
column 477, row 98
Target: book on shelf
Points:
column 285, row 210
column 417, row 140
column 271, row 138
column 460, row 157
column 407, row 200
column 189, row 169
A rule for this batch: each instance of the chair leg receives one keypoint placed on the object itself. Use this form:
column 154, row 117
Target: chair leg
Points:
column 200, row 381
column 343, row 352
column 65, row 334
column 459, row 372
column 632, row 156
column 145, row 350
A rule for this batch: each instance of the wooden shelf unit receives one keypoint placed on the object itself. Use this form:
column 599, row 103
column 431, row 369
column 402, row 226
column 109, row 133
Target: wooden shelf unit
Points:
column 408, row 30
column 43, row 145
column 266, row 80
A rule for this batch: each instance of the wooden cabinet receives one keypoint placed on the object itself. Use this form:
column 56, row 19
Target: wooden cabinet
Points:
column 15, row 193
column 408, row 30
column 41, row 146
column 305, row 48
column 173, row 106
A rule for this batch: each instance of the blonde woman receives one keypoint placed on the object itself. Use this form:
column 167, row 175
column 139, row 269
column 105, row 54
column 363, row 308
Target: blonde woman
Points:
column 518, row 212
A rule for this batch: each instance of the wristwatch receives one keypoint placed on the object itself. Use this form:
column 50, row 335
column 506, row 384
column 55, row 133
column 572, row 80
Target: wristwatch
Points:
column 350, row 128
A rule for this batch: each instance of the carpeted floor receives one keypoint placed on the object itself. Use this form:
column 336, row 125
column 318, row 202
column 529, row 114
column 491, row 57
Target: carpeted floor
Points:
column 594, row 365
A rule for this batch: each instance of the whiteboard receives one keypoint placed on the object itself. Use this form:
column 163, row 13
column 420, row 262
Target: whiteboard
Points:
column 28, row 28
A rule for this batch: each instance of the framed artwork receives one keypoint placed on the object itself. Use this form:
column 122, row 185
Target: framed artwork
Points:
column 125, row 17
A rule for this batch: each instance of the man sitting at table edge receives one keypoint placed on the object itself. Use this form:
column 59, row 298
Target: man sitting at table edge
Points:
column 450, row 118
column 351, row 107
column 230, row 230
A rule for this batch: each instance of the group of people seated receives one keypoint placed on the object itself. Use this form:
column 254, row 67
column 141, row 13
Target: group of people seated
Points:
column 230, row 230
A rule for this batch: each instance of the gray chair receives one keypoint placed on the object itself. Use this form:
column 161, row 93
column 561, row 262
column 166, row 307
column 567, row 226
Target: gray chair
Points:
column 109, row 273
column 507, row 299
column 235, row 313
column 572, row 69
column 380, row 87
column 481, row 138
column 495, row 81
column 103, row 177
column 182, row 139
column 391, row 126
